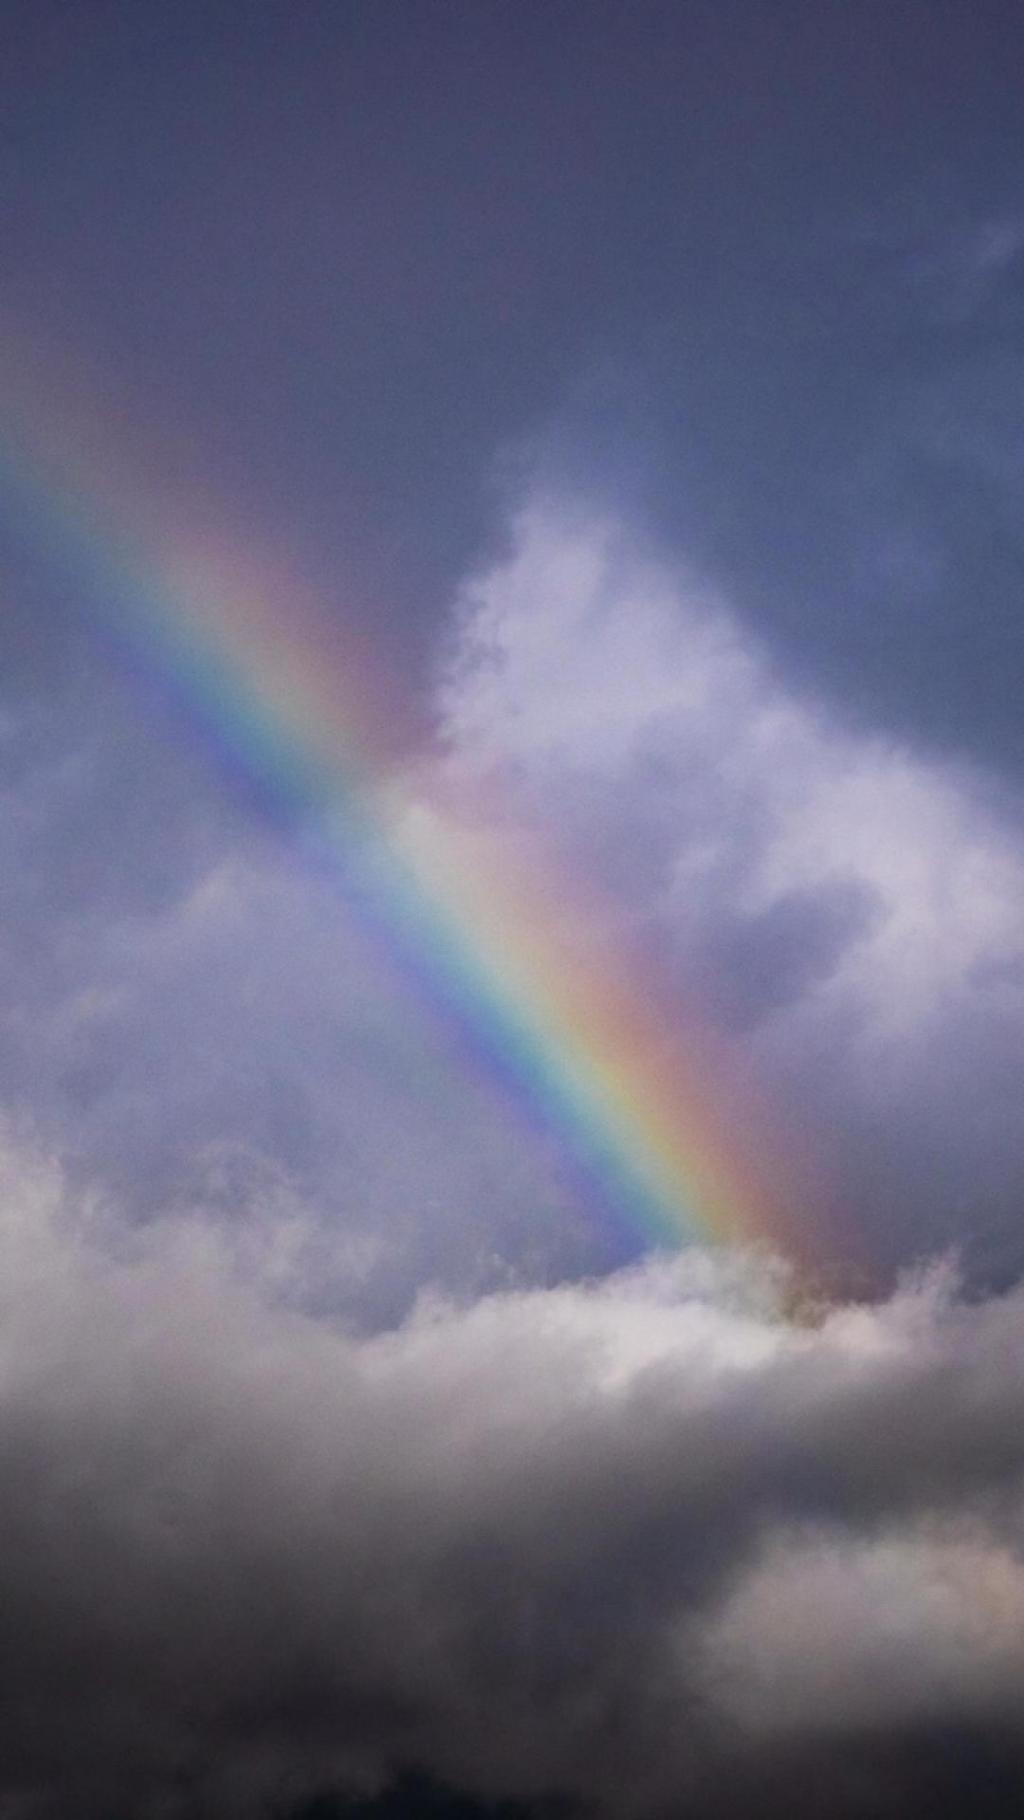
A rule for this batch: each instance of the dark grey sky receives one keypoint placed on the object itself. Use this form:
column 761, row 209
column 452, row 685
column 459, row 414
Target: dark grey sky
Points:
column 352, row 250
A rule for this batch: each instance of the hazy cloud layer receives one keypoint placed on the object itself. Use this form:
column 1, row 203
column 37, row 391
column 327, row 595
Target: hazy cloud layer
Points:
column 245, row 1037
column 638, row 1542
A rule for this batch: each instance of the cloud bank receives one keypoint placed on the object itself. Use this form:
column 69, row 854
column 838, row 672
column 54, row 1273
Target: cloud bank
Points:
column 642, row 1543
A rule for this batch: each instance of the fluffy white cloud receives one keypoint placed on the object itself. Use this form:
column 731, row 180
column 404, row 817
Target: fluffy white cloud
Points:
column 856, row 909
column 580, row 659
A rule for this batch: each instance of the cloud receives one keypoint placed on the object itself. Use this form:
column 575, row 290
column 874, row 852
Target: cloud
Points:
column 631, row 1542
column 868, row 1633
column 853, row 908
column 177, row 988
column 247, row 1039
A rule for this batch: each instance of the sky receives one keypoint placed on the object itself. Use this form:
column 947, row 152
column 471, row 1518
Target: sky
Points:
column 511, row 910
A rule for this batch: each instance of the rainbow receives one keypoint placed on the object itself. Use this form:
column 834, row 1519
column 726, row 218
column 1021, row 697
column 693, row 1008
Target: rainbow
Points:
column 648, row 1113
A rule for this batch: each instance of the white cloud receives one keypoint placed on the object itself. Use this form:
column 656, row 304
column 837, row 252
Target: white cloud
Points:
column 855, row 907
column 582, row 658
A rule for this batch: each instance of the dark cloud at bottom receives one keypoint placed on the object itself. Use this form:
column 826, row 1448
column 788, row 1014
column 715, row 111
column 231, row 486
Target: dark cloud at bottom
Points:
column 636, row 1548
column 936, row 1772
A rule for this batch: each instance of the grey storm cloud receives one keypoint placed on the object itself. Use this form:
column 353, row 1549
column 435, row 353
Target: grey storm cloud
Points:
column 637, row 1544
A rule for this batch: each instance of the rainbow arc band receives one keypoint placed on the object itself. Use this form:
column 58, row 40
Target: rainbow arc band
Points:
column 649, row 1113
